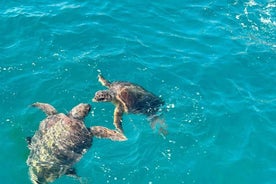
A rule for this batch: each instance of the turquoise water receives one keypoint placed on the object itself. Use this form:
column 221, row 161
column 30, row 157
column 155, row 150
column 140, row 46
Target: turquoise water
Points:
column 213, row 62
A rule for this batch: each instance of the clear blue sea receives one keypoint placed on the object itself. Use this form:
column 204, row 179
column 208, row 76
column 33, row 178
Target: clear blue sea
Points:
column 213, row 62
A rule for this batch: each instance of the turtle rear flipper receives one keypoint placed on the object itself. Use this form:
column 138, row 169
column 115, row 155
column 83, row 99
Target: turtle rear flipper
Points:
column 157, row 122
column 29, row 140
column 103, row 132
column 46, row 108
column 72, row 172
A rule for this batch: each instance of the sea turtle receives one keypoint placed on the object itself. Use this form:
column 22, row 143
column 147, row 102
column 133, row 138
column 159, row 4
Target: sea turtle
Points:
column 61, row 141
column 130, row 98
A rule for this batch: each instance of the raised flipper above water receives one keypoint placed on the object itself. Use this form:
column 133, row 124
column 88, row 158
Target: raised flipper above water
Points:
column 103, row 81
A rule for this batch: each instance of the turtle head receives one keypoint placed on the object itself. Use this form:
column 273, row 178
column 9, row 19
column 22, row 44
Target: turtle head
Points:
column 103, row 96
column 80, row 111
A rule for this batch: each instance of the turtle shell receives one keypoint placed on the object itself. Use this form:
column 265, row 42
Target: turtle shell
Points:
column 58, row 144
column 135, row 99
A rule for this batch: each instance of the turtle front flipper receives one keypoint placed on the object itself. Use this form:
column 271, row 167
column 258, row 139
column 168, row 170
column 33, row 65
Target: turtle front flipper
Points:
column 103, row 81
column 103, row 132
column 118, row 118
column 46, row 108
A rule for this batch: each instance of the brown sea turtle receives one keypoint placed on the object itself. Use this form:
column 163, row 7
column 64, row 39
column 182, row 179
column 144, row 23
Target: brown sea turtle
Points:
column 61, row 141
column 130, row 98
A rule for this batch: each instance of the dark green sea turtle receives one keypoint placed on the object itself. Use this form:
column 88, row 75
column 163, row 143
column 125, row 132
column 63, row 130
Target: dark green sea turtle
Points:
column 130, row 98
column 61, row 141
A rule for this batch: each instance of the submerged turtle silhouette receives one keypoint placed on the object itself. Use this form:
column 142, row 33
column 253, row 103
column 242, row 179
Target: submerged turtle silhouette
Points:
column 130, row 98
column 61, row 141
